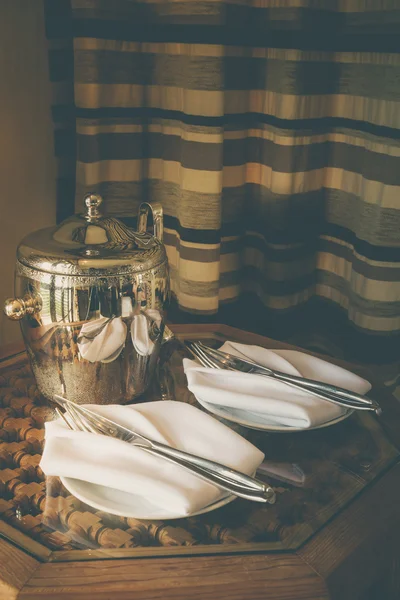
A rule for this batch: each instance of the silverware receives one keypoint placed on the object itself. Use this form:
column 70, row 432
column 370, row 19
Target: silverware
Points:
column 224, row 477
column 209, row 357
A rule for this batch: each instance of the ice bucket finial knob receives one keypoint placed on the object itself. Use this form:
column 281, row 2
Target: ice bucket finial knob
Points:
column 93, row 202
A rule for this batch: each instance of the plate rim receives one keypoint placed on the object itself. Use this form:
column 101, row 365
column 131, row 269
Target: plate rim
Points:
column 66, row 481
column 211, row 407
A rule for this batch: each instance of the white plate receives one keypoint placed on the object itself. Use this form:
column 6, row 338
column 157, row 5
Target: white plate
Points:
column 123, row 504
column 259, row 421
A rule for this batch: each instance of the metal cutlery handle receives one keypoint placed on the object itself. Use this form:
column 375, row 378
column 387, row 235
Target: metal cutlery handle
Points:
column 324, row 387
column 318, row 392
column 326, row 392
column 220, row 474
column 263, row 494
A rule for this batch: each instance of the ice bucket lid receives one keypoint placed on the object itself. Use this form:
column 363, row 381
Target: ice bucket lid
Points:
column 91, row 244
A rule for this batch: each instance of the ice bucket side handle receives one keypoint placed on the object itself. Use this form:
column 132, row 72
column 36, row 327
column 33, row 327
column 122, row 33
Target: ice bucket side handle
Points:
column 17, row 308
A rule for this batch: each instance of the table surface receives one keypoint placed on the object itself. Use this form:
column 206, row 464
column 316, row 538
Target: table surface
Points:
column 332, row 534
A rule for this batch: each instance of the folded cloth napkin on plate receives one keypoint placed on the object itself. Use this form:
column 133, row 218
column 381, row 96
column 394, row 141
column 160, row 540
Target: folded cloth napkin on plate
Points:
column 282, row 404
column 119, row 465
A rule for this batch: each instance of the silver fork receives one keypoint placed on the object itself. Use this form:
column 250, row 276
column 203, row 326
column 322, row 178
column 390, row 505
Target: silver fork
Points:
column 235, row 482
column 209, row 358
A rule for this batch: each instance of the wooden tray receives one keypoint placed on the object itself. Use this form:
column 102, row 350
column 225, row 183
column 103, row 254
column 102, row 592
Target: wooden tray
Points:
column 337, row 464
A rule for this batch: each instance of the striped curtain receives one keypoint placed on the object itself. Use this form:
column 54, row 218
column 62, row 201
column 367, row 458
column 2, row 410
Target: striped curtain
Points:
column 268, row 129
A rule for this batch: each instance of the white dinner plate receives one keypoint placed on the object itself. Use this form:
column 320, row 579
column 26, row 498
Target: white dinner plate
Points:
column 124, row 504
column 261, row 421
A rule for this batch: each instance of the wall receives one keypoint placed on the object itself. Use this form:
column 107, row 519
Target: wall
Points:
column 27, row 165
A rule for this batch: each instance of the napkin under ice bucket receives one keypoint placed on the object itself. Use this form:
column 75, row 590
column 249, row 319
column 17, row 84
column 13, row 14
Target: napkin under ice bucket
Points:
column 90, row 296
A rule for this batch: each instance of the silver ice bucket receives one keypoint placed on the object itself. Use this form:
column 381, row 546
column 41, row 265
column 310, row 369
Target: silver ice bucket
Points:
column 90, row 296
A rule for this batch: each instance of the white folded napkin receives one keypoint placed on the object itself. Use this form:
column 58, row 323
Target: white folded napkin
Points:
column 116, row 464
column 278, row 403
column 105, row 345
column 140, row 336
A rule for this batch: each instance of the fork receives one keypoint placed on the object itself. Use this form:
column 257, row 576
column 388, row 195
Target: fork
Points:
column 80, row 418
column 211, row 358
